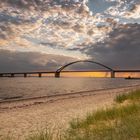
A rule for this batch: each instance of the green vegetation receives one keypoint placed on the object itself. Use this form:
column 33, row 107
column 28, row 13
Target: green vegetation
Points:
column 105, row 116
column 132, row 96
column 121, row 122
column 118, row 123
column 46, row 134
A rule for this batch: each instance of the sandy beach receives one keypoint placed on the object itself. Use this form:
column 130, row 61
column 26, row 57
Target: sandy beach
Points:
column 22, row 118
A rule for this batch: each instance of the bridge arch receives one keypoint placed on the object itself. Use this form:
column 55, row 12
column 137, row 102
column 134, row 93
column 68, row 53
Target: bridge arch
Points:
column 58, row 71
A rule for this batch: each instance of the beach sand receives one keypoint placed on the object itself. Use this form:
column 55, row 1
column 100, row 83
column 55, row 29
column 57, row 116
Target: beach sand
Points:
column 20, row 119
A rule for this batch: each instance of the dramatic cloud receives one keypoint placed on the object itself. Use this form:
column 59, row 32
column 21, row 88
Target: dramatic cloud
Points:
column 104, row 30
column 121, row 50
column 30, row 61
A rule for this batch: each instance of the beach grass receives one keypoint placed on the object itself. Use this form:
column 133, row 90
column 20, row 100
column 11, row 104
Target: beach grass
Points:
column 121, row 122
column 105, row 115
column 45, row 134
column 133, row 96
column 110, row 124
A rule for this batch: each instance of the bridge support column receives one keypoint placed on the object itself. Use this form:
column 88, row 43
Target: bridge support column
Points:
column 39, row 74
column 12, row 75
column 57, row 74
column 25, row 75
column 112, row 74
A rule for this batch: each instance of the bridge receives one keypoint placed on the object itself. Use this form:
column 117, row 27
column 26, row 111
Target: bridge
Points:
column 59, row 70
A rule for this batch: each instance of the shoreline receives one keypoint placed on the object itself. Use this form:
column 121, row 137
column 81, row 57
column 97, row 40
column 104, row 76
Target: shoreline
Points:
column 26, row 117
column 24, row 102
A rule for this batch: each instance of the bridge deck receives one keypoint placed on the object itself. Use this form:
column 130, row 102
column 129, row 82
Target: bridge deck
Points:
column 39, row 73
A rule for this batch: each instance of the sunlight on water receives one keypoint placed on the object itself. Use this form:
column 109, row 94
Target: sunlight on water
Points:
column 36, row 87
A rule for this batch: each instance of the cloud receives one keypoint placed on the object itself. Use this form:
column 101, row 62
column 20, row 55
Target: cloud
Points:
column 66, row 29
column 30, row 61
column 121, row 50
column 55, row 30
column 40, row 4
column 134, row 13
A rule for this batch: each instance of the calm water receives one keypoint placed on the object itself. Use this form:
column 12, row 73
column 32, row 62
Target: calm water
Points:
column 34, row 87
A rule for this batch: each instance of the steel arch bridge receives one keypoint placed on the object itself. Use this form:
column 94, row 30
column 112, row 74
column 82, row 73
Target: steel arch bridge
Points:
column 58, row 71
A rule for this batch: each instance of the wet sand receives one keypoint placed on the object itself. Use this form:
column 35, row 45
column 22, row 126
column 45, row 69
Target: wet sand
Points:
column 22, row 118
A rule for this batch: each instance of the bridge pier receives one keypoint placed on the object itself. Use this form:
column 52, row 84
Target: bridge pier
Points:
column 25, row 75
column 39, row 74
column 57, row 74
column 112, row 74
column 12, row 75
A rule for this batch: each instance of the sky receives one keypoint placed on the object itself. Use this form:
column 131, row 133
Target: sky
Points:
column 46, row 34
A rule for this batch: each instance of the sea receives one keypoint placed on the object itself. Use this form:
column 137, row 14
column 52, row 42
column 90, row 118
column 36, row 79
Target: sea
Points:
column 19, row 87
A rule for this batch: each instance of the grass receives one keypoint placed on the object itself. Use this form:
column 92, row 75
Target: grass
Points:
column 133, row 96
column 46, row 134
column 121, row 122
column 42, row 135
column 122, row 129
column 105, row 115
column 111, row 124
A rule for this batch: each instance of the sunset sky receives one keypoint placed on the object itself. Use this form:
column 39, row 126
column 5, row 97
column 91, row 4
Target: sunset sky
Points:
column 45, row 34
